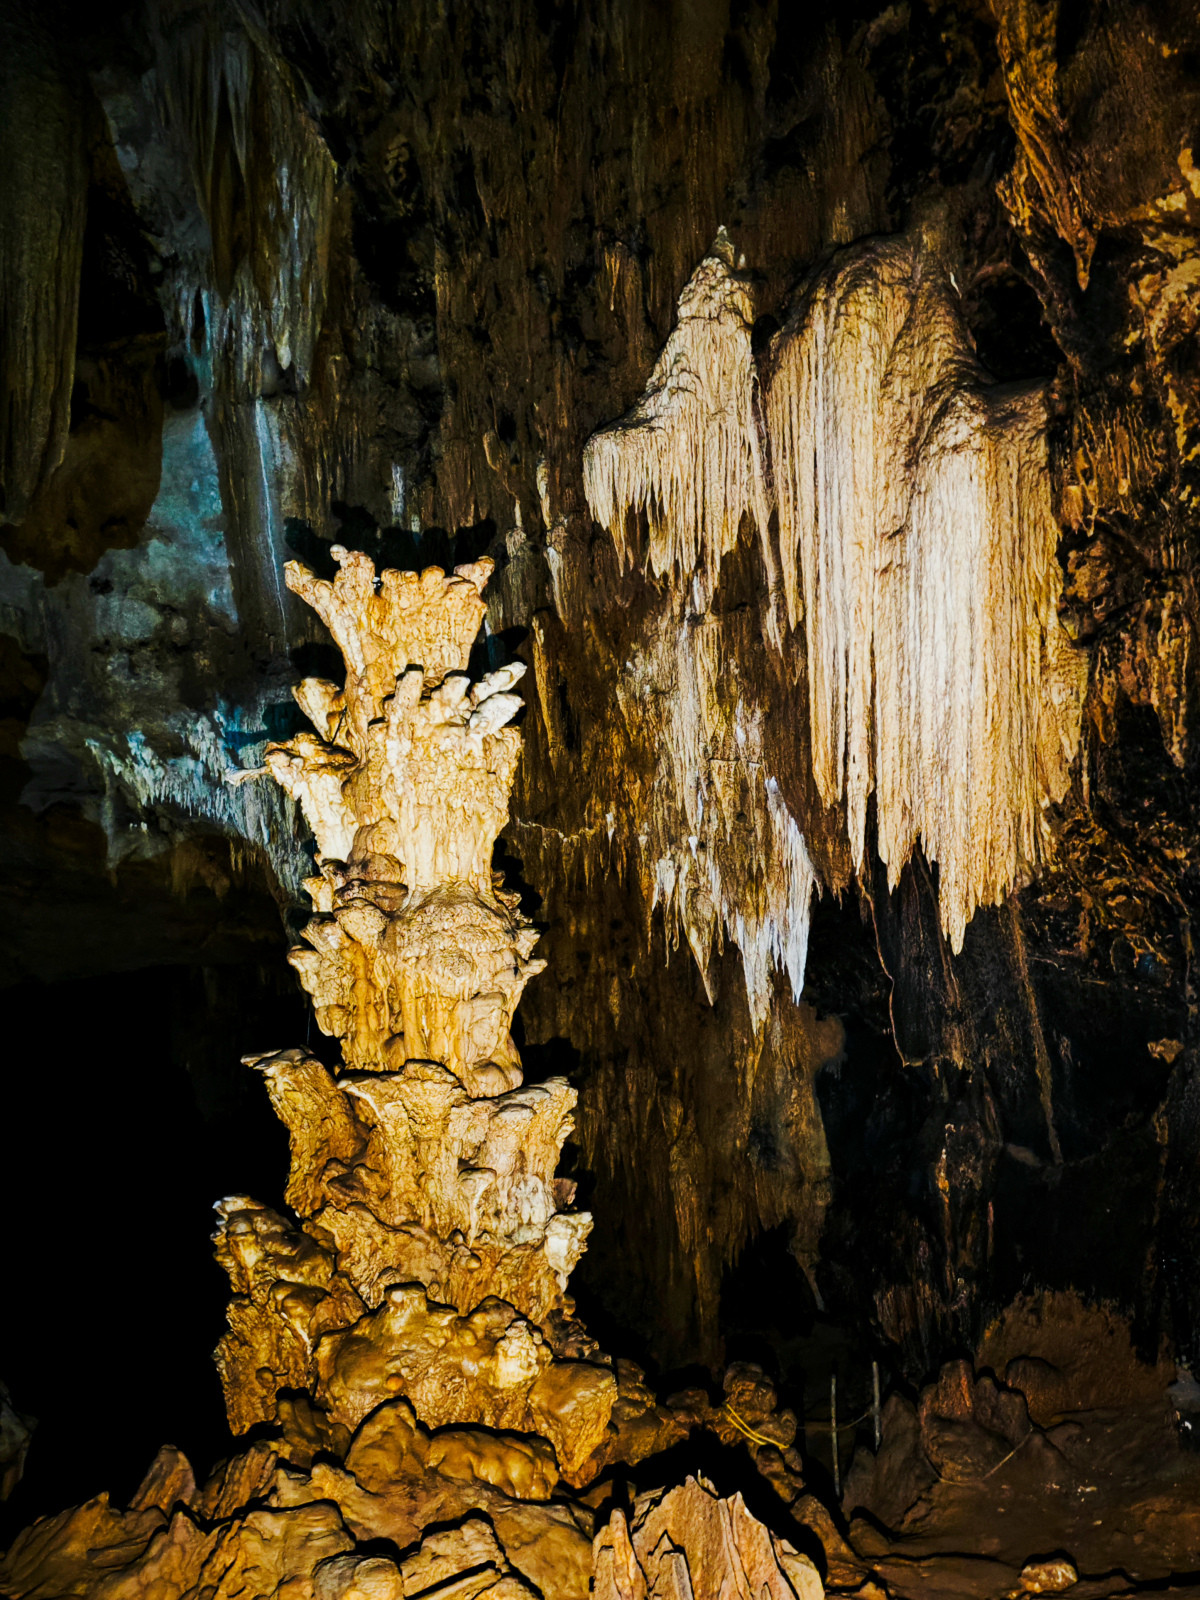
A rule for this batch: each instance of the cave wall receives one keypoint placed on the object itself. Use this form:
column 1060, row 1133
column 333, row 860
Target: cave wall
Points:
column 284, row 273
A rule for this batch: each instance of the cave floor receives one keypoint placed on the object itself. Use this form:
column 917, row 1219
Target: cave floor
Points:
column 1112, row 1490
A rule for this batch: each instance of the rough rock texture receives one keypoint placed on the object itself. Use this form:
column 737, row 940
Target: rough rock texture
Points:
column 431, row 1258
column 277, row 274
column 318, row 1533
column 690, row 1541
column 688, row 457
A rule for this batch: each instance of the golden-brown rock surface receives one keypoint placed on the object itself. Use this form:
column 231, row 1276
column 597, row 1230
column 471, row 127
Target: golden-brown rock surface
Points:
column 430, row 1258
column 688, row 1541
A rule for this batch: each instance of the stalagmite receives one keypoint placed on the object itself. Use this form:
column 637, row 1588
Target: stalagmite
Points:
column 918, row 541
column 404, row 1337
column 431, row 1258
column 689, row 1542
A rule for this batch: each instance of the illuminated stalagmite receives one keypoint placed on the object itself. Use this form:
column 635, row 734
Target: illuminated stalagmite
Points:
column 917, row 545
column 406, row 1336
column 431, row 1258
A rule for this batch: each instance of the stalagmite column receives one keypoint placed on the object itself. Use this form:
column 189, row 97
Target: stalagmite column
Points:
column 407, row 1329
column 430, row 1257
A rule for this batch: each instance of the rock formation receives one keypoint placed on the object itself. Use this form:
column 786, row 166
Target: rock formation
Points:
column 690, row 460
column 689, row 455
column 406, row 1335
column 16, row 1431
column 688, row 1541
column 918, row 541
column 431, row 1256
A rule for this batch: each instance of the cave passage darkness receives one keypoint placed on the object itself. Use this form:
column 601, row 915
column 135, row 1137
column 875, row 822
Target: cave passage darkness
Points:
column 819, row 388
column 118, row 1185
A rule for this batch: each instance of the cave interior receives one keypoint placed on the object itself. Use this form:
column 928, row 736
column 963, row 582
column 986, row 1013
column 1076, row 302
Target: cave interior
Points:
column 722, row 480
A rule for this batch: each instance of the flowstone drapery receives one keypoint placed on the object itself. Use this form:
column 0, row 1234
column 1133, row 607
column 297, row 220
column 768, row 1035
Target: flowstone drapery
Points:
column 918, row 541
column 915, row 540
column 431, row 1257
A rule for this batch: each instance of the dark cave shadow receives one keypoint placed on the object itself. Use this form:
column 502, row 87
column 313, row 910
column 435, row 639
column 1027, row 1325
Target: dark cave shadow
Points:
column 492, row 650
column 315, row 660
column 405, row 549
column 555, row 1058
column 281, row 720
column 513, row 868
column 150, row 1148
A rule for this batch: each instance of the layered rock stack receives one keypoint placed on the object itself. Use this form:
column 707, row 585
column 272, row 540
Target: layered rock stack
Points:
column 429, row 1256
column 423, row 1407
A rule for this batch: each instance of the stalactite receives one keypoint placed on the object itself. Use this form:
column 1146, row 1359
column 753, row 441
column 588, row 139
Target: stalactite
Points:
column 1043, row 182
column 718, row 850
column 193, row 785
column 706, row 830
column 250, row 194
column 916, row 498
column 43, row 193
column 916, row 538
column 264, row 181
column 688, row 455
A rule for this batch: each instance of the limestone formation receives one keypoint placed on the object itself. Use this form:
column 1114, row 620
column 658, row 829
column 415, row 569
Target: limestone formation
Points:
column 917, row 545
column 710, row 779
column 431, row 1256
column 688, row 1541
column 276, row 273
column 263, row 1526
column 918, row 541
column 689, row 456
column 409, row 774
column 406, row 1333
